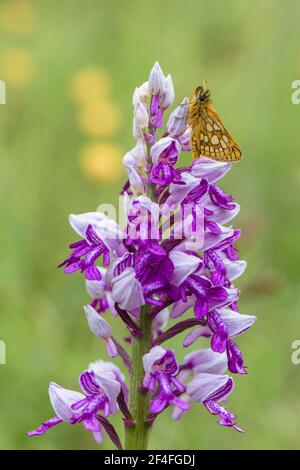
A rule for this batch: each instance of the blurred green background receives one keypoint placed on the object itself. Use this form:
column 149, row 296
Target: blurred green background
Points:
column 70, row 68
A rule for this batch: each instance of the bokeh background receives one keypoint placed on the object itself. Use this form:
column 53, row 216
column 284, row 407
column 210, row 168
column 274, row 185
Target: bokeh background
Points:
column 70, row 68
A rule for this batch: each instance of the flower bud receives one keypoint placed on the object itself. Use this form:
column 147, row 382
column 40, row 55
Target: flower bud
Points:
column 141, row 93
column 97, row 324
column 176, row 124
column 135, row 180
column 136, row 157
column 168, row 94
column 156, row 80
column 100, row 328
column 141, row 116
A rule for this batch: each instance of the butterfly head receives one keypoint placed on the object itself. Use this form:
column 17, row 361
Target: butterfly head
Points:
column 202, row 94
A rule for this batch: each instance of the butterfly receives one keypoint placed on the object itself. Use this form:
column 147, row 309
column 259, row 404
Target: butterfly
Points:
column 209, row 138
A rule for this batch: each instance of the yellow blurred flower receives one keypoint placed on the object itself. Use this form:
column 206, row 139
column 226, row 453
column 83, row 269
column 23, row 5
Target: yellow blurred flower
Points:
column 17, row 16
column 99, row 119
column 101, row 162
column 89, row 85
column 18, row 67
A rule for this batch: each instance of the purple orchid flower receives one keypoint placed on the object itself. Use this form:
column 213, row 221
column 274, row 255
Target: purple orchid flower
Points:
column 210, row 389
column 99, row 394
column 175, row 256
column 161, row 368
column 101, row 236
column 85, row 253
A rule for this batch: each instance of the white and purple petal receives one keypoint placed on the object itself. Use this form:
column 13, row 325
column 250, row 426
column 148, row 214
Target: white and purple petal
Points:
column 62, row 400
column 236, row 323
column 184, row 265
column 212, row 170
column 127, row 290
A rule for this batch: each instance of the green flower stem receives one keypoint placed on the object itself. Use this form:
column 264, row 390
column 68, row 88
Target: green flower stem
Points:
column 138, row 433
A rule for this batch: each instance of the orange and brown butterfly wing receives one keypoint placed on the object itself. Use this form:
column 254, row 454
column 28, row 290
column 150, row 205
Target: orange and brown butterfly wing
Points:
column 209, row 138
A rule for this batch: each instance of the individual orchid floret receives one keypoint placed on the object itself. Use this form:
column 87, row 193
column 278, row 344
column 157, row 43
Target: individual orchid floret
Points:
column 104, row 388
column 161, row 368
column 226, row 324
column 85, row 253
column 166, row 149
column 100, row 394
column 101, row 236
column 223, row 325
column 210, row 389
column 164, row 154
column 101, row 328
